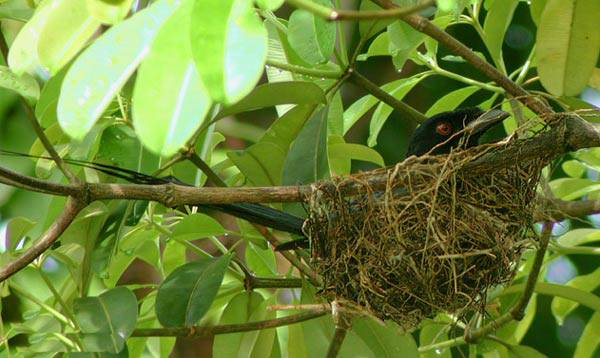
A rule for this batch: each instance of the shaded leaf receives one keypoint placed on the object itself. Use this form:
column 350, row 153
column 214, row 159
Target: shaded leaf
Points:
column 25, row 85
column 312, row 37
column 187, row 293
column 196, row 226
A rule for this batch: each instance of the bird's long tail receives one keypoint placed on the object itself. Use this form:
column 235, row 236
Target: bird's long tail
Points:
column 256, row 213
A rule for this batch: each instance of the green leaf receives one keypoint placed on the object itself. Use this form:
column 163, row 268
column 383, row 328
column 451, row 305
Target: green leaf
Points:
column 569, row 189
column 22, row 55
column 196, row 226
column 25, row 85
column 355, row 151
column 369, row 28
column 383, row 111
column 583, row 298
column 307, row 160
column 66, row 31
column 272, row 94
column 15, row 10
column 45, row 108
column 262, row 163
column 109, row 11
column 561, row 307
column 524, row 351
column 404, row 40
column 165, row 118
column 536, row 7
column 271, row 5
column 568, row 41
column 496, row 22
column 574, row 168
column 431, row 334
column 112, row 313
column 186, row 295
column 385, row 341
column 579, row 237
column 451, row 100
column 590, row 337
column 244, row 307
column 102, row 69
column 229, row 46
column 379, row 47
column 312, row 37
column 260, row 261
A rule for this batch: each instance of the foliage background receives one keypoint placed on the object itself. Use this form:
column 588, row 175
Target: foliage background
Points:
column 113, row 141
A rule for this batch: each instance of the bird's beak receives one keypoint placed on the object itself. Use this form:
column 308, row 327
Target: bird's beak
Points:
column 487, row 121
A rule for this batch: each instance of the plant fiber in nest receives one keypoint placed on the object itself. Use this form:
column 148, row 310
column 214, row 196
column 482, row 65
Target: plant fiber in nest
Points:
column 434, row 240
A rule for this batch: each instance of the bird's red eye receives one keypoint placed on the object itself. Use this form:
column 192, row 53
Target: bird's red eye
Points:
column 443, row 128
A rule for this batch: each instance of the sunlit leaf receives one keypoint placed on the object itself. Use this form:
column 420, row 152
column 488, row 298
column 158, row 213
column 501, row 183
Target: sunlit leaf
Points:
column 109, row 12
column 312, row 37
column 25, row 85
column 229, row 45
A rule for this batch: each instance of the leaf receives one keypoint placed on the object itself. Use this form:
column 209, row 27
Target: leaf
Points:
column 312, row 37
column 561, row 307
column 229, row 46
column 383, row 111
column 524, row 351
column 579, row 237
column 25, row 85
column 379, row 47
column 196, row 226
column 260, row 261
column 271, row 5
column 583, row 298
column 369, row 28
column 590, row 337
column 574, row 168
column 355, row 151
column 22, row 55
column 262, row 163
column 113, row 313
column 102, row 69
column 244, row 307
column 496, row 22
column 272, row 94
column 451, row 100
column 65, row 32
column 536, row 7
column 16, row 10
column 187, row 293
column 385, row 341
column 431, row 334
column 166, row 117
column 45, row 108
column 568, row 41
column 564, row 188
column 404, row 40
column 109, row 12
column 307, row 160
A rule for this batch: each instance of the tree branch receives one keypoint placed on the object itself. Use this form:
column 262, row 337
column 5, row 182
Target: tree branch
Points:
column 72, row 208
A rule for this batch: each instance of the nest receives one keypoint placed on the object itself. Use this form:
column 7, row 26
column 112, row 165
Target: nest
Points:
column 434, row 240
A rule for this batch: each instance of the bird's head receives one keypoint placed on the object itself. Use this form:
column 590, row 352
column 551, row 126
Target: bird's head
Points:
column 453, row 129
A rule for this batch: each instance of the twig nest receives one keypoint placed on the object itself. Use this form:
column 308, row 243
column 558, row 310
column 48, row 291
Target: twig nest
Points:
column 434, row 240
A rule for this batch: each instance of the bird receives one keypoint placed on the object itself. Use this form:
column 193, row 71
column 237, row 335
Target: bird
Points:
column 439, row 134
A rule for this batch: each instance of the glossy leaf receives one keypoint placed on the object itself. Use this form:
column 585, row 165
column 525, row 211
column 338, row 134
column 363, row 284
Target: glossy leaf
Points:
column 383, row 111
column 113, row 313
column 385, row 341
column 22, row 55
column 277, row 93
column 102, row 69
column 496, row 22
column 244, row 307
column 262, row 163
column 379, row 47
column 229, row 46
column 66, row 31
column 196, row 226
column 431, row 334
column 356, row 152
column 25, row 85
column 261, row 261
column 16, row 230
column 269, row 4
column 561, row 307
column 451, row 101
column 573, row 168
column 307, row 160
column 579, row 237
column 590, row 337
column 582, row 297
column 109, row 12
column 45, row 108
column 185, row 296
column 312, row 37
column 404, row 40
column 166, row 116
column 568, row 41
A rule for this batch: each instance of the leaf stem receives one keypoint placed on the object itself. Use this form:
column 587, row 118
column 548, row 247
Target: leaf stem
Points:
column 304, row 71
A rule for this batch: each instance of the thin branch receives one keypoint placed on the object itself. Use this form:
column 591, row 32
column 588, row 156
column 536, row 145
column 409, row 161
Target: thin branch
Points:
column 228, row 328
column 72, row 207
column 404, row 109
column 337, row 15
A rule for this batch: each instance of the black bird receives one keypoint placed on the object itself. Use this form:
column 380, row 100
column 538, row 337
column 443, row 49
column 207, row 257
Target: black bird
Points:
column 459, row 129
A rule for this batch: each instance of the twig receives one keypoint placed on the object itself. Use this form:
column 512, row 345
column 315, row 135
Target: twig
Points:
column 228, row 328
column 337, row 15
column 72, row 207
